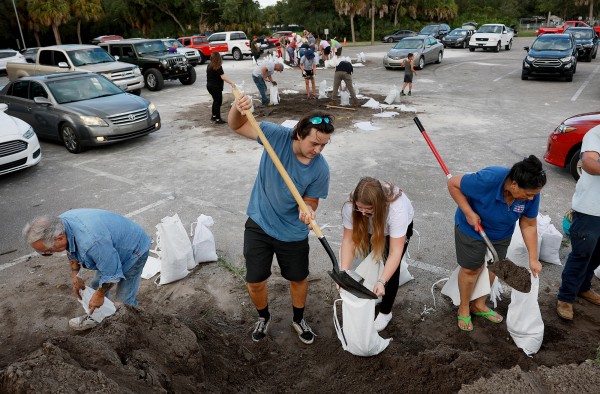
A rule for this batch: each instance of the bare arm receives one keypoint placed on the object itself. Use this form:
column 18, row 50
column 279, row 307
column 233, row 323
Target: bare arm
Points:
column 529, row 231
column 347, row 252
column 77, row 281
column 589, row 162
column 461, row 200
column 412, row 67
column 312, row 204
column 238, row 122
column 392, row 263
column 224, row 78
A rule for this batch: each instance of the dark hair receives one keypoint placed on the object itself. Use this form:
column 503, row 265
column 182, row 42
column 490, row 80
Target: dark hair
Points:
column 411, row 55
column 528, row 173
column 215, row 61
column 302, row 129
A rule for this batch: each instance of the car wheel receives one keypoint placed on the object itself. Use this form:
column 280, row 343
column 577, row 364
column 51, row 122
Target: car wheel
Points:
column 70, row 139
column 421, row 63
column 190, row 79
column 237, row 54
column 202, row 58
column 497, row 49
column 575, row 165
column 524, row 77
column 445, row 46
column 137, row 92
column 464, row 45
column 569, row 78
column 575, row 67
column 154, row 80
column 471, row 49
column 390, row 39
column 440, row 56
column 508, row 46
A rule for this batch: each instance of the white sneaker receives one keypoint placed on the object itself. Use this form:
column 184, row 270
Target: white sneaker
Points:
column 382, row 321
column 84, row 322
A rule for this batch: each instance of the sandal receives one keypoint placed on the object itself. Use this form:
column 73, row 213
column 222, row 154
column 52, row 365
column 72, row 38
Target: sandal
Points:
column 488, row 314
column 308, row 97
column 467, row 320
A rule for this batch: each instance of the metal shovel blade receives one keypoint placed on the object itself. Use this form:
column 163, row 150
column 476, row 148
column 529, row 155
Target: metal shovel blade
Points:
column 513, row 275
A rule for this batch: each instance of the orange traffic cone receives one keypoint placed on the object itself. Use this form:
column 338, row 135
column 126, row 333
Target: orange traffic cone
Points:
column 344, row 41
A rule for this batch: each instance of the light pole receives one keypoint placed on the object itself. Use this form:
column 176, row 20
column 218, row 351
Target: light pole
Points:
column 19, row 23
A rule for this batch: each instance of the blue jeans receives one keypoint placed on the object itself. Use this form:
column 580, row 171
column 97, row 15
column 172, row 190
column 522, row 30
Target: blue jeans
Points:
column 301, row 52
column 262, row 88
column 583, row 259
column 126, row 288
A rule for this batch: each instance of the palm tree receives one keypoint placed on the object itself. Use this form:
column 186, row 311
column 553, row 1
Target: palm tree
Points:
column 377, row 6
column 591, row 4
column 351, row 7
column 88, row 10
column 50, row 13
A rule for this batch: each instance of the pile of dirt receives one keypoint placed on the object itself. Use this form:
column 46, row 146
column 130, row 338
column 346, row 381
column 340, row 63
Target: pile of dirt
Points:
column 515, row 276
column 132, row 351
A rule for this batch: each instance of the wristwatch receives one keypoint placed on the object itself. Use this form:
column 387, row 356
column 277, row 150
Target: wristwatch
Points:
column 383, row 281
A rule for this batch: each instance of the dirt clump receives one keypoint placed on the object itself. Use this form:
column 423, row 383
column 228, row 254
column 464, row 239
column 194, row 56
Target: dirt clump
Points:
column 515, row 276
column 132, row 351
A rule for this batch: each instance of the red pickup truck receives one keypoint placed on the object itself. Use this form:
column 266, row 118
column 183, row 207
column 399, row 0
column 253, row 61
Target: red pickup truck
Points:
column 274, row 38
column 203, row 46
column 559, row 30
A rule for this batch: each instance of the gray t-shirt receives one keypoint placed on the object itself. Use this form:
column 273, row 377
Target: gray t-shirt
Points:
column 587, row 192
column 311, row 40
column 307, row 64
column 270, row 69
column 407, row 68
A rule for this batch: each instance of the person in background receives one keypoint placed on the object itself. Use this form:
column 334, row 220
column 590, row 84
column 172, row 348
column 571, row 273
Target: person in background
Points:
column 303, row 47
column 309, row 71
column 343, row 72
column 291, row 48
column 378, row 217
column 255, row 49
column 336, row 47
column 409, row 69
column 584, row 258
column 173, row 49
column 311, row 42
column 325, row 48
column 282, row 46
column 215, row 76
column 264, row 73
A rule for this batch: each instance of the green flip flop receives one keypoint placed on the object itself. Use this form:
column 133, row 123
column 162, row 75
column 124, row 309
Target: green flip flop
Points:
column 487, row 315
column 467, row 320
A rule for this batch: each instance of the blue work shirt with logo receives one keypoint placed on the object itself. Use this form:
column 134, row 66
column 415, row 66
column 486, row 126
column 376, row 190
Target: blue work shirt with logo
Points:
column 104, row 241
column 272, row 205
column 485, row 193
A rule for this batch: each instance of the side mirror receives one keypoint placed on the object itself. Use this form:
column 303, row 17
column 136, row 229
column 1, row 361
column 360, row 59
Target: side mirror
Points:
column 42, row 100
column 3, row 107
column 117, row 58
column 427, row 46
column 63, row 65
column 526, row 48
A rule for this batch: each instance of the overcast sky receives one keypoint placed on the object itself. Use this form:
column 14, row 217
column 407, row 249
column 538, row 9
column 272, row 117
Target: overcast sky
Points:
column 264, row 3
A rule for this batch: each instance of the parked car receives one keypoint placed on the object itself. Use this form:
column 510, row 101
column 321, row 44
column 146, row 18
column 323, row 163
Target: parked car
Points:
column 100, row 39
column 274, row 38
column 565, row 26
column 588, row 39
column 30, row 54
column 551, row 54
column 202, row 45
column 192, row 55
column 491, row 36
column 8, row 55
column 514, row 29
column 153, row 58
column 19, row 146
column 79, row 109
column 469, row 26
column 426, row 49
column 207, row 34
column 564, row 143
column 398, row 35
column 90, row 58
column 437, row 31
column 238, row 44
column 458, row 38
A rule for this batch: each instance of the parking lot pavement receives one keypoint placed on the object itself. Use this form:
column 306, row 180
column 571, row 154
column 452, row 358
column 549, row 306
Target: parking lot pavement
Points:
column 474, row 105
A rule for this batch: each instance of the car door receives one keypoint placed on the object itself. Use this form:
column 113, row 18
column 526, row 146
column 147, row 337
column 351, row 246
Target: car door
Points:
column 115, row 51
column 17, row 100
column 128, row 54
column 44, row 62
column 428, row 49
column 219, row 41
column 43, row 119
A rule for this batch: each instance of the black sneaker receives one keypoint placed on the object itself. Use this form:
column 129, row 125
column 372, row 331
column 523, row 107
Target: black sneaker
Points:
column 261, row 329
column 305, row 333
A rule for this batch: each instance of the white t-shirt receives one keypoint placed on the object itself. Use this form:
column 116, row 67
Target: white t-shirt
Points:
column 324, row 44
column 400, row 214
column 587, row 192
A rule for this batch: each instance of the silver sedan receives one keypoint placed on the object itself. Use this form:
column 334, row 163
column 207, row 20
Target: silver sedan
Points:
column 425, row 49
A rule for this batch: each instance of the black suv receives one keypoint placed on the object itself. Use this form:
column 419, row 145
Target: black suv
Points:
column 551, row 54
column 437, row 31
column 588, row 38
column 154, row 59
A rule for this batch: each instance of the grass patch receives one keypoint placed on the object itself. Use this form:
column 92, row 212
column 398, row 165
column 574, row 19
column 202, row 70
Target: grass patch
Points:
column 238, row 273
column 565, row 242
column 597, row 359
column 523, row 33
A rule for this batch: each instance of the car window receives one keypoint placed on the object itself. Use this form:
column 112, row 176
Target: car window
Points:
column 446, row 27
column 217, row 37
column 80, row 89
column 37, row 90
column 4, row 55
column 150, row 47
column 19, row 89
column 188, row 41
column 430, row 29
column 115, row 50
column 548, row 43
column 82, row 57
column 490, row 29
column 200, row 40
column 127, row 51
column 45, row 58
column 581, row 34
column 59, row 57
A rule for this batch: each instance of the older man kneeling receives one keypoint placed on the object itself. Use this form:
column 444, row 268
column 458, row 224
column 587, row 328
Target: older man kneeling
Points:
column 112, row 245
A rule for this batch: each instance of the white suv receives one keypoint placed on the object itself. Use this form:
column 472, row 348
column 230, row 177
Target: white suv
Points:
column 491, row 36
column 238, row 44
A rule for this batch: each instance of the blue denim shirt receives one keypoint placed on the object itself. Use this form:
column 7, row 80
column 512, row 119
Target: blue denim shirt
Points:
column 104, row 241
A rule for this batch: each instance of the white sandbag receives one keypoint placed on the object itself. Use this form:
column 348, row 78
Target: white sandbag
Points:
column 355, row 87
column 358, row 335
column 371, row 104
column 397, row 96
column 517, row 251
column 274, row 95
column 482, row 286
column 597, row 272
column 151, row 268
column 405, row 276
column 363, row 58
column 107, row 309
column 344, row 98
column 370, row 270
column 524, row 319
column 204, row 241
column 551, row 241
column 330, row 63
column 342, row 88
column 174, row 250
column 391, row 97
column 322, row 89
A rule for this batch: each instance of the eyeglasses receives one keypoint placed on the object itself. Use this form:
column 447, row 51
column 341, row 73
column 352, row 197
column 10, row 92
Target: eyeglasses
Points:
column 319, row 120
column 367, row 214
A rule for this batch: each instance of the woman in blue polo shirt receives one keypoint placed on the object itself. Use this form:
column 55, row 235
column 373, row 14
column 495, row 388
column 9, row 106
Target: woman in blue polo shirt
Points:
column 495, row 197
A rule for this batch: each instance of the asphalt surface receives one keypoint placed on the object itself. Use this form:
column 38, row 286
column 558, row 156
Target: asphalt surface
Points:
column 475, row 107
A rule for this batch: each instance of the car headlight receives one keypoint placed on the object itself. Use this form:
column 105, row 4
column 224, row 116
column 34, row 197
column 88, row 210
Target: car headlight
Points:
column 530, row 59
column 29, row 133
column 563, row 129
column 566, row 59
column 151, row 108
column 93, row 121
column 493, row 39
column 386, row 56
column 163, row 62
column 137, row 72
column 460, row 39
column 588, row 45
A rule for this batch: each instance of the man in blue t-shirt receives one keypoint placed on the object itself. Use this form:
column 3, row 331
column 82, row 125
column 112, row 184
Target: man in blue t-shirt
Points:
column 276, row 225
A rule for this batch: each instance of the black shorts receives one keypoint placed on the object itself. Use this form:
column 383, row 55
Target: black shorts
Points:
column 408, row 78
column 338, row 52
column 470, row 252
column 259, row 248
column 327, row 50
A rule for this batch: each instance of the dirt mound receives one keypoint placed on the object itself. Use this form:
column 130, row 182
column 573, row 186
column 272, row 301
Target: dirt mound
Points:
column 515, row 276
column 132, row 351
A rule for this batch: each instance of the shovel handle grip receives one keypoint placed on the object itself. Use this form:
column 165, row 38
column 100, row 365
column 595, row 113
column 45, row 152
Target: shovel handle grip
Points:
column 487, row 242
column 288, row 181
column 435, row 152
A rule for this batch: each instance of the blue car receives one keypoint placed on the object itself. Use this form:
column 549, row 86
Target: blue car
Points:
column 588, row 38
column 551, row 55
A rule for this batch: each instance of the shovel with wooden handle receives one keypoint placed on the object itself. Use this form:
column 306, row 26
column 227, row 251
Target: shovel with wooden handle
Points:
column 342, row 278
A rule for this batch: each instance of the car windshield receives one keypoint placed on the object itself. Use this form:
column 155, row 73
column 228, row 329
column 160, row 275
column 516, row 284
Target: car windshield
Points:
column 170, row 43
column 581, row 34
column 458, row 33
column 83, row 57
column 430, row 29
column 490, row 29
column 81, row 89
column 409, row 44
column 150, row 46
column 548, row 43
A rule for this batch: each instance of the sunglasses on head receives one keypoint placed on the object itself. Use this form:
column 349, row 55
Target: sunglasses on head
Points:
column 319, row 120
column 367, row 214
